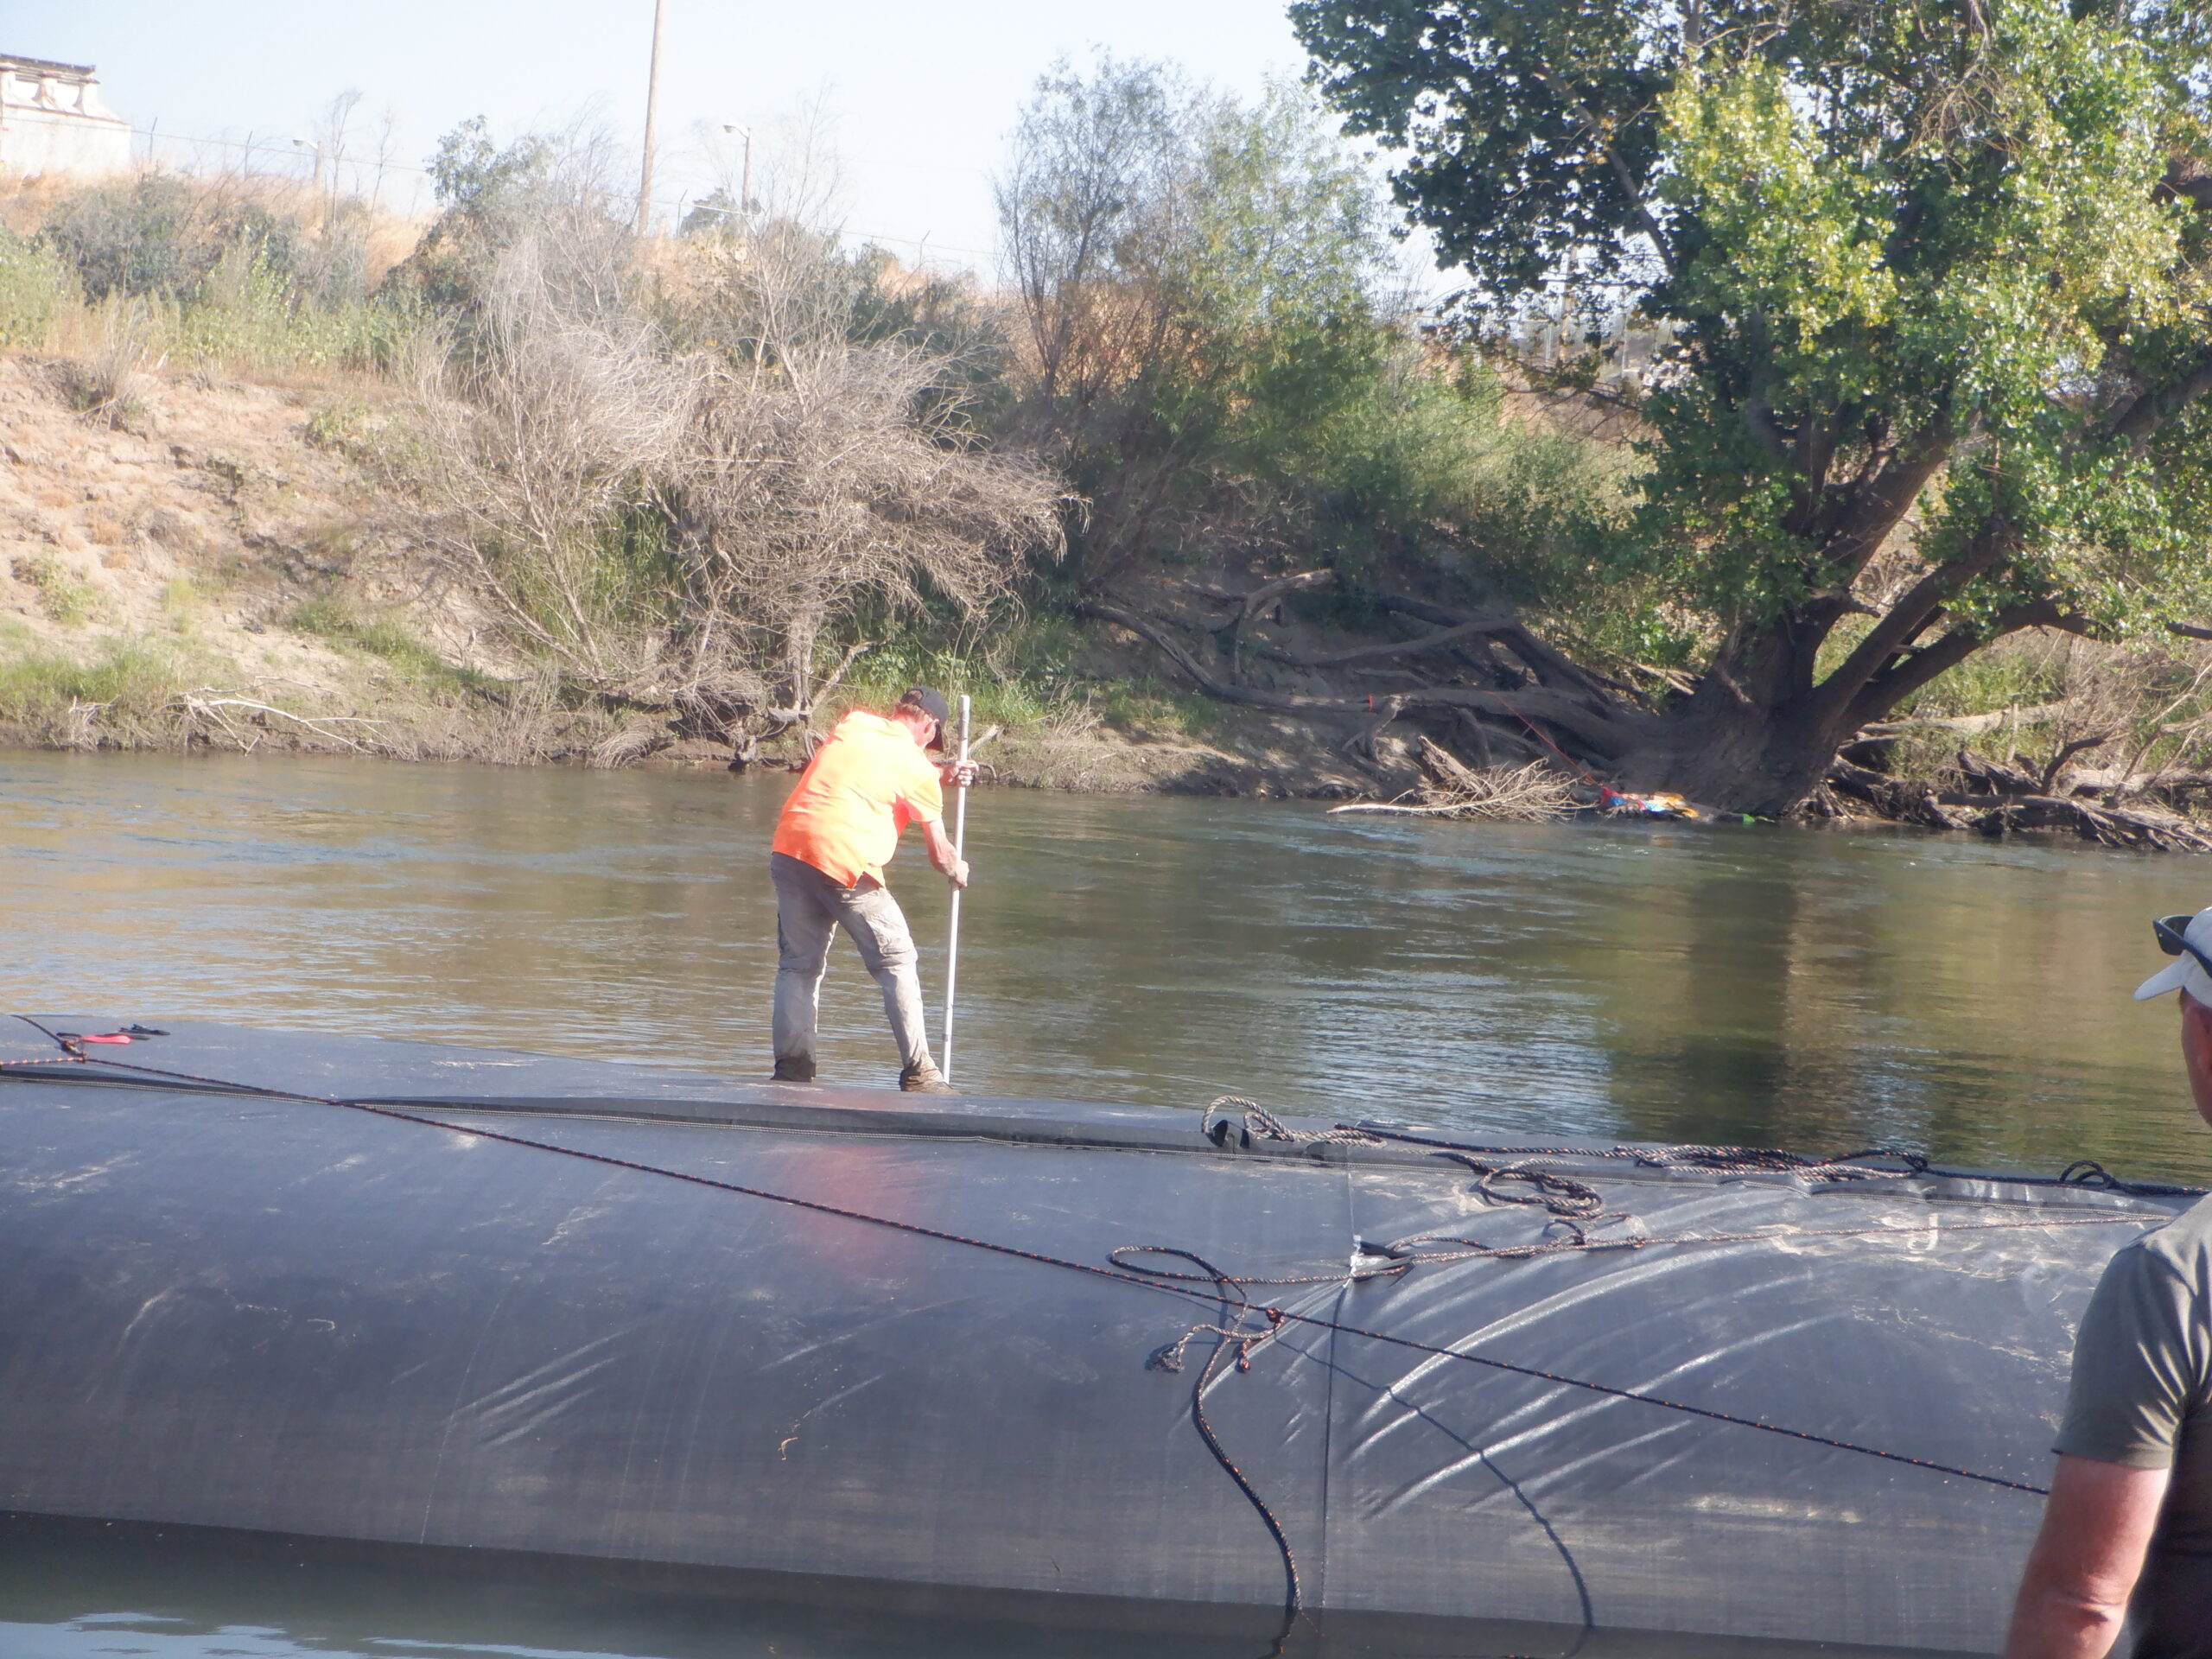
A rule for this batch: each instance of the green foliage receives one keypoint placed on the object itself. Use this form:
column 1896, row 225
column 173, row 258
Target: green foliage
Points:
column 1221, row 364
column 64, row 596
column 127, row 679
column 1024, row 671
column 489, row 197
column 205, row 271
column 1926, row 256
column 33, row 281
column 180, row 602
column 337, row 618
column 162, row 235
column 246, row 313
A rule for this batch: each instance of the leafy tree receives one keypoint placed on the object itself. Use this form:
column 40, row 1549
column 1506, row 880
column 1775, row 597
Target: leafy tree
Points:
column 493, row 197
column 1936, row 277
column 1215, row 355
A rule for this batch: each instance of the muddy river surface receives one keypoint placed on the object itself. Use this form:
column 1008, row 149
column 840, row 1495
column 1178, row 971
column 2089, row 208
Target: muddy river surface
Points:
column 1822, row 991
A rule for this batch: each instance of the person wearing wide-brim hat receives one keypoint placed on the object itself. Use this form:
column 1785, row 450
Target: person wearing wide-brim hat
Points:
column 838, row 829
column 2128, row 1525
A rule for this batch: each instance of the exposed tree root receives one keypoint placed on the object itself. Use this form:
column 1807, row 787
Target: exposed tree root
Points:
column 2003, row 800
column 1488, row 677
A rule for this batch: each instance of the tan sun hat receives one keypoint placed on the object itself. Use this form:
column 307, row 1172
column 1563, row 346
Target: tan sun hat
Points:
column 2187, row 939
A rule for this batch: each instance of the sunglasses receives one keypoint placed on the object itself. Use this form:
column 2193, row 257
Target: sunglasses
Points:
column 2172, row 932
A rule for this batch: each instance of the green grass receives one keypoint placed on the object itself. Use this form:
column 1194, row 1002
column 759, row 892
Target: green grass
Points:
column 335, row 618
column 126, row 688
column 33, row 284
column 61, row 595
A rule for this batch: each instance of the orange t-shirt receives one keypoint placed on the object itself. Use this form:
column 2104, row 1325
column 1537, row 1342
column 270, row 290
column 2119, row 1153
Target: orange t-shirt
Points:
column 867, row 783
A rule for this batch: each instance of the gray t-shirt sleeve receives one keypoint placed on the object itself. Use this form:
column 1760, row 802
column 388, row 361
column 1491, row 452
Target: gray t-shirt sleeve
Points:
column 2139, row 1365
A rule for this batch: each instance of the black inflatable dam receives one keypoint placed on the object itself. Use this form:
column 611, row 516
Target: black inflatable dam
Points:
column 1572, row 1397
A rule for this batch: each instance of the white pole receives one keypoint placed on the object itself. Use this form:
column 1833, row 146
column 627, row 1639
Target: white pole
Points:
column 952, row 936
column 652, row 130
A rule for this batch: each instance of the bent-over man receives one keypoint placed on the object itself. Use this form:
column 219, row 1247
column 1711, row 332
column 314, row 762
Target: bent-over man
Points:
column 838, row 829
column 2129, row 1518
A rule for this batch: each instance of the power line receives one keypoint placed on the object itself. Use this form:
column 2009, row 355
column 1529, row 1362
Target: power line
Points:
column 153, row 136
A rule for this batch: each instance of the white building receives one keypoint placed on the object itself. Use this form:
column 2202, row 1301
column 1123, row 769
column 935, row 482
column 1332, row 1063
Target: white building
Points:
column 51, row 121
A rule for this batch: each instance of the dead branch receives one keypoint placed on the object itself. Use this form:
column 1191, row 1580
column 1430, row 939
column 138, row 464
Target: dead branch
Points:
column 1965, row 725
column 1427, row 642
column 835, row 677
column 208, row 703
column 1454, row 790
column 2066, row 752
column 1551, row 667
column 794, row 484
column 1249, row 605
column 2108, row 826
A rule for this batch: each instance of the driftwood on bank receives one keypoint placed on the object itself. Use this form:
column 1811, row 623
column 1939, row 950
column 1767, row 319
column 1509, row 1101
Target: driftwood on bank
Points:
column 1451, row 789
column 2110, row 826
column 2006, row 799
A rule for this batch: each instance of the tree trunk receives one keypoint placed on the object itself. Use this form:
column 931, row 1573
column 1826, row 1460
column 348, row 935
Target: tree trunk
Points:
column 1757, row 736
column 1738, row 759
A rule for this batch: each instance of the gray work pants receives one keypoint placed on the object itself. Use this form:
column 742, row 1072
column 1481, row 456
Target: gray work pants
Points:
column 810, row 908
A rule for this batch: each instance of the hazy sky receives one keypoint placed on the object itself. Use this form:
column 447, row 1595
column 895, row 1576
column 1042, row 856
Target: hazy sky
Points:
column 919, row 94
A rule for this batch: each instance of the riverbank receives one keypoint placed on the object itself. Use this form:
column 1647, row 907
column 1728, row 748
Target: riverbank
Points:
column 212, row 567
column 211, row 563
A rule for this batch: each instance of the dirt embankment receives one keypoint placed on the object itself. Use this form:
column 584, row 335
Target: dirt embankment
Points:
column 209, row 566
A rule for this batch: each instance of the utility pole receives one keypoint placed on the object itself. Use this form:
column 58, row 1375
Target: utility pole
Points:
column 652, row 123
column 744, row 185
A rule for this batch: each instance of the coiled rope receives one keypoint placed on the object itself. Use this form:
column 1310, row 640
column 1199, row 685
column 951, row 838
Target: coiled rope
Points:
column 1257, row 1124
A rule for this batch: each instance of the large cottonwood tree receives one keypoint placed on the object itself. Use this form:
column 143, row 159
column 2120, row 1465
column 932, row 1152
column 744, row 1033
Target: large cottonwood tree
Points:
column 1938, row 276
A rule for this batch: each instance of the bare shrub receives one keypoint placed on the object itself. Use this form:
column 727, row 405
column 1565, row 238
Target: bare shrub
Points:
column 114, row 380
column 681, row 530
column 827, row 474
column 535, row 442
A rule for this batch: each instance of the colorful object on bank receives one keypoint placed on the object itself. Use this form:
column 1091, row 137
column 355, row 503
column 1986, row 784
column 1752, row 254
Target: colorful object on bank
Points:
column 1631, row 805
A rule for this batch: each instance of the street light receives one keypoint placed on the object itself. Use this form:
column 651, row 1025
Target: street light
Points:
column 311, row 144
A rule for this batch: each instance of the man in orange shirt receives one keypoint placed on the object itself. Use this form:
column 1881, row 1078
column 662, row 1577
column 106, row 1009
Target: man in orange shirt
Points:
column 838, row 829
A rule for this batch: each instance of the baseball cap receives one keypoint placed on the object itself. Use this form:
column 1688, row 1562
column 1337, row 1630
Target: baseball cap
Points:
column 929, row 702
column 2187, row 939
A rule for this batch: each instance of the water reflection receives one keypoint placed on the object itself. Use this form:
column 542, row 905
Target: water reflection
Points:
column 1825, row 991
column 83, row 1591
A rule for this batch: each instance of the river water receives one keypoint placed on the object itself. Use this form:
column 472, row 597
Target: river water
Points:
column 1824, row 991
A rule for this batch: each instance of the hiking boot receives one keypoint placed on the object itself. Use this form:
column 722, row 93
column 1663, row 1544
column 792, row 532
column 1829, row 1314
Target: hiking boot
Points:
column 800, row 1071
column 924, row 1079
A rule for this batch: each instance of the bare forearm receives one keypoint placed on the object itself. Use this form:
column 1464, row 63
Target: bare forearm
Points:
column 2052, row 1621
column 2096, row 1529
